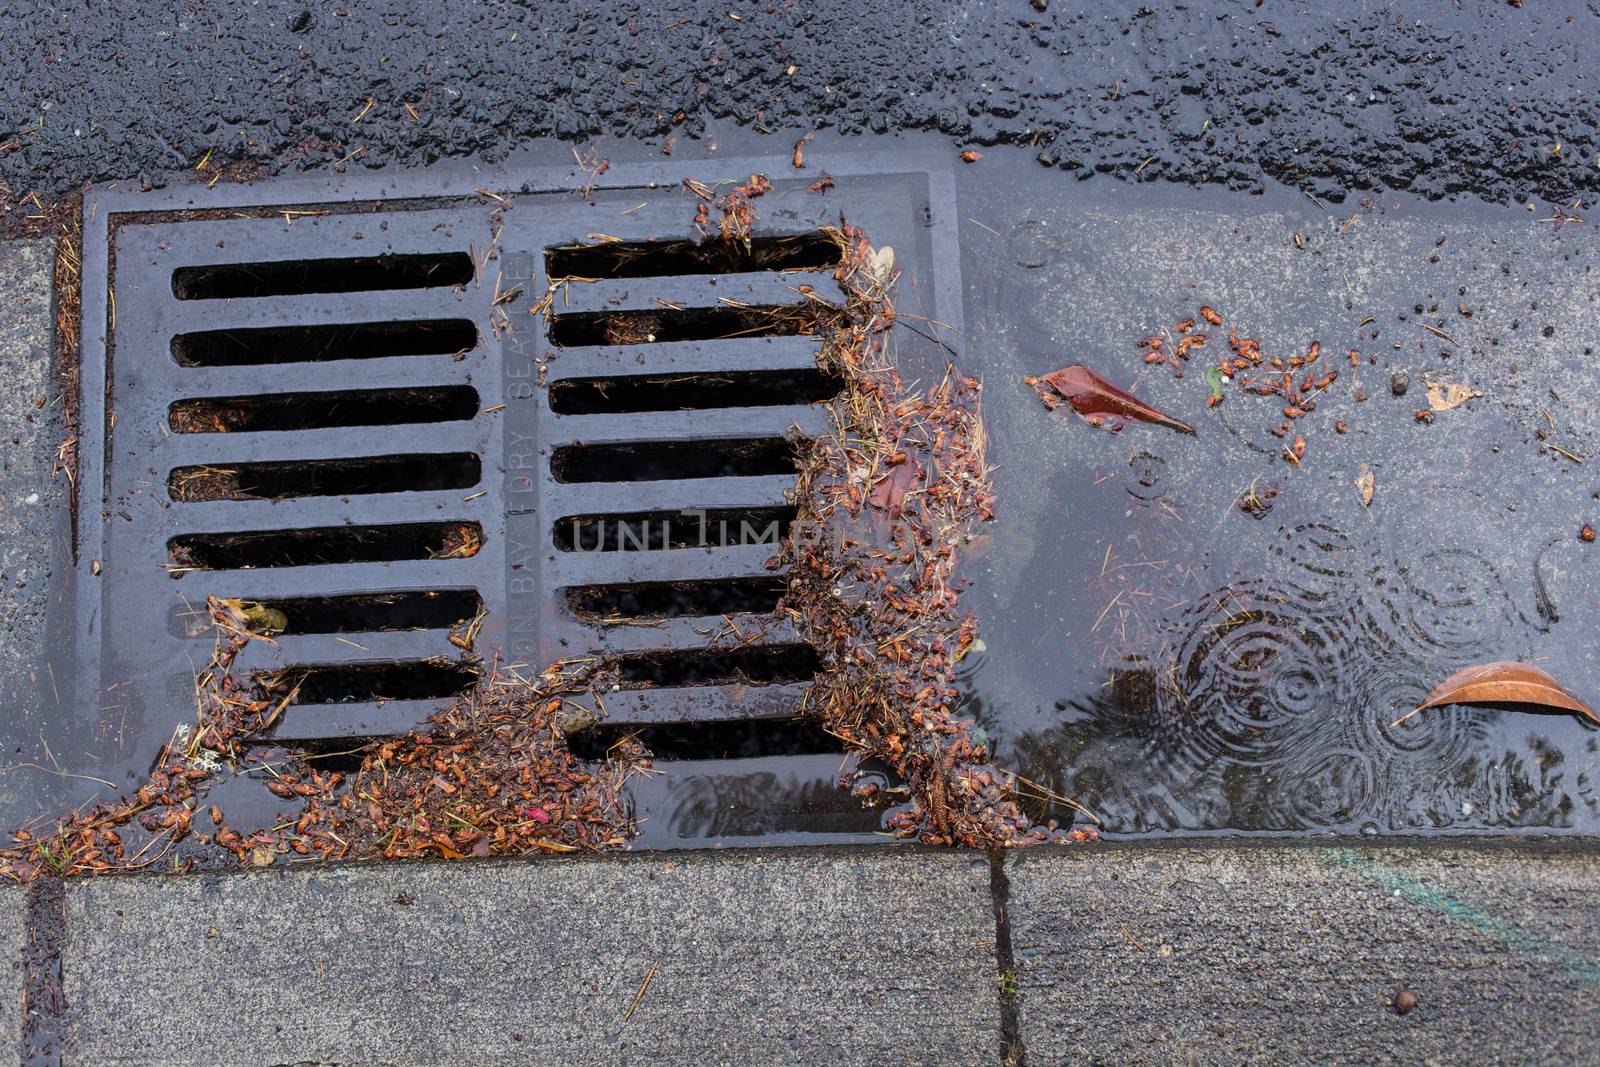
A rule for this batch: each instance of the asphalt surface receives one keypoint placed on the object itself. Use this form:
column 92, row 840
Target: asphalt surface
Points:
column 1485, row 98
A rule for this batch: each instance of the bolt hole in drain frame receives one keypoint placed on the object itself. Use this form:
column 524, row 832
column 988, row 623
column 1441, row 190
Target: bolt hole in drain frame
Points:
column 335, row 398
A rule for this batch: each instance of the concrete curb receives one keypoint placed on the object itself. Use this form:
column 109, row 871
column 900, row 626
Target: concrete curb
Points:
column 1207, row 953
column 1232, row 954
column 804, row 956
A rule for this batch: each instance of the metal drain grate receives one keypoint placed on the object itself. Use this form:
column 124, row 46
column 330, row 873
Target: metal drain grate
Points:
column 337, row 412
column 296, row 423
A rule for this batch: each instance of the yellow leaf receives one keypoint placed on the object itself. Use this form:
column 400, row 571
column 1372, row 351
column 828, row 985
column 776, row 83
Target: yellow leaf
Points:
column 1366, row 485
column 1443, row 396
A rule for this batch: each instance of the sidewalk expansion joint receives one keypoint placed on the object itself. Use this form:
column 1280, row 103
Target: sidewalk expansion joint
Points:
column 1012, row 1052
column 43, row 1002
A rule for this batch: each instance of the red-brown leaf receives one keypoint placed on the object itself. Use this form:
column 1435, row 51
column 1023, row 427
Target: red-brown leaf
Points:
column 1090, row 394
column 1506, row 682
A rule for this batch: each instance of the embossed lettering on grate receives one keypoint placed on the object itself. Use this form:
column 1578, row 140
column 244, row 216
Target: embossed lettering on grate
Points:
column 656, row 471
column 680, row 395
column 298, row 426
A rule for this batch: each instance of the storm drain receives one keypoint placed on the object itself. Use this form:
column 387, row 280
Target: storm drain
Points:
column 421, row 438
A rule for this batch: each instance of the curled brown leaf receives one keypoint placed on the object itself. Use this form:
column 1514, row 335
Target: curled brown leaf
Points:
column 1503, row 682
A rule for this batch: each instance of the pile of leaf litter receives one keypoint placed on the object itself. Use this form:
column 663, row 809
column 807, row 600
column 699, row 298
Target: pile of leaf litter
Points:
column 489, row 775
column 886, row 502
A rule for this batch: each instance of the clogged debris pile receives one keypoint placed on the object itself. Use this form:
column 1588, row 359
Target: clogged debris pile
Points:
column 490, row 775
column 886, row 501
column 737, row 213
column 102, row 838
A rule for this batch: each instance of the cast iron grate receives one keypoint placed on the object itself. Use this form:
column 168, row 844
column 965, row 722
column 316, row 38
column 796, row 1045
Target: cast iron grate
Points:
column 300, row 428
column 359, row 415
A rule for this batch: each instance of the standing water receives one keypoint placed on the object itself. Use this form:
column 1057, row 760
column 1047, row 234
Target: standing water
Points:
column 1198, row 634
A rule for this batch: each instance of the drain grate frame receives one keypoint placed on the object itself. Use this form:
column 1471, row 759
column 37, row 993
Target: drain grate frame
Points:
column 491, row 400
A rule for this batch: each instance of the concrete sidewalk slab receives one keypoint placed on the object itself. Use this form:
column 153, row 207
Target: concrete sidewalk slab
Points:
column 1250, row 955
column 765, row 957
column 13, row 945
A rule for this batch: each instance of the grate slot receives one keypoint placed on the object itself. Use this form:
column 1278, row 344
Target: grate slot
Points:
column 620, row 636
column 346, row 683
column 653, row 259
column 732, row 739
column 323, row 545
column 431, row 609
column 418, row 473
column 648, row 461
column 320, row 411
column 760, row 665
column 602, row 396
column 312, row 344
column 666, row 325
column 297, row 277
column 797, row 353
column 671, row 600
column 656, row 531
column 336, row 729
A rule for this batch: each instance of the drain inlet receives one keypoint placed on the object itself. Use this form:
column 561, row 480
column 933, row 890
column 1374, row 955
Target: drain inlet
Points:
column 670, row 600
column 732, row 389
column 648, row 461
column 365, row 682
column 297, row 277
column 750, row 739
column 318, row 411
column 759, row 665
column 652, row 259
column 313, row 344
column 437, row 609
column 416, row 473
column 324, row 544
column 666, row 325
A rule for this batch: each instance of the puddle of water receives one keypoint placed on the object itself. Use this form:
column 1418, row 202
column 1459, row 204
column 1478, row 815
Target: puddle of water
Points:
column 1177, row 662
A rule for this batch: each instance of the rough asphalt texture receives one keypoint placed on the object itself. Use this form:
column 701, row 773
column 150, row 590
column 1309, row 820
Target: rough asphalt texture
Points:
column 1292, row 955
column 31, row 503
column 775, row 957
column 1483, row 97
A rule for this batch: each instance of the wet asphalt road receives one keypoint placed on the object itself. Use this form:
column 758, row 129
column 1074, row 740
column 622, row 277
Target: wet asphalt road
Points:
column 1487, row 98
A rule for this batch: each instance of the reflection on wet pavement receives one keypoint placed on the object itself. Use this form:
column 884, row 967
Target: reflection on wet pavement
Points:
column 1188, row 634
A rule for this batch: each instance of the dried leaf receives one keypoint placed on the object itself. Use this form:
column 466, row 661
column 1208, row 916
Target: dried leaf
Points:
column 971, row 155
column 1443, row 396
column 1504, row 682
column 253, row 617
column 883, row 264
column 1366, row 485
column 1090, row 394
